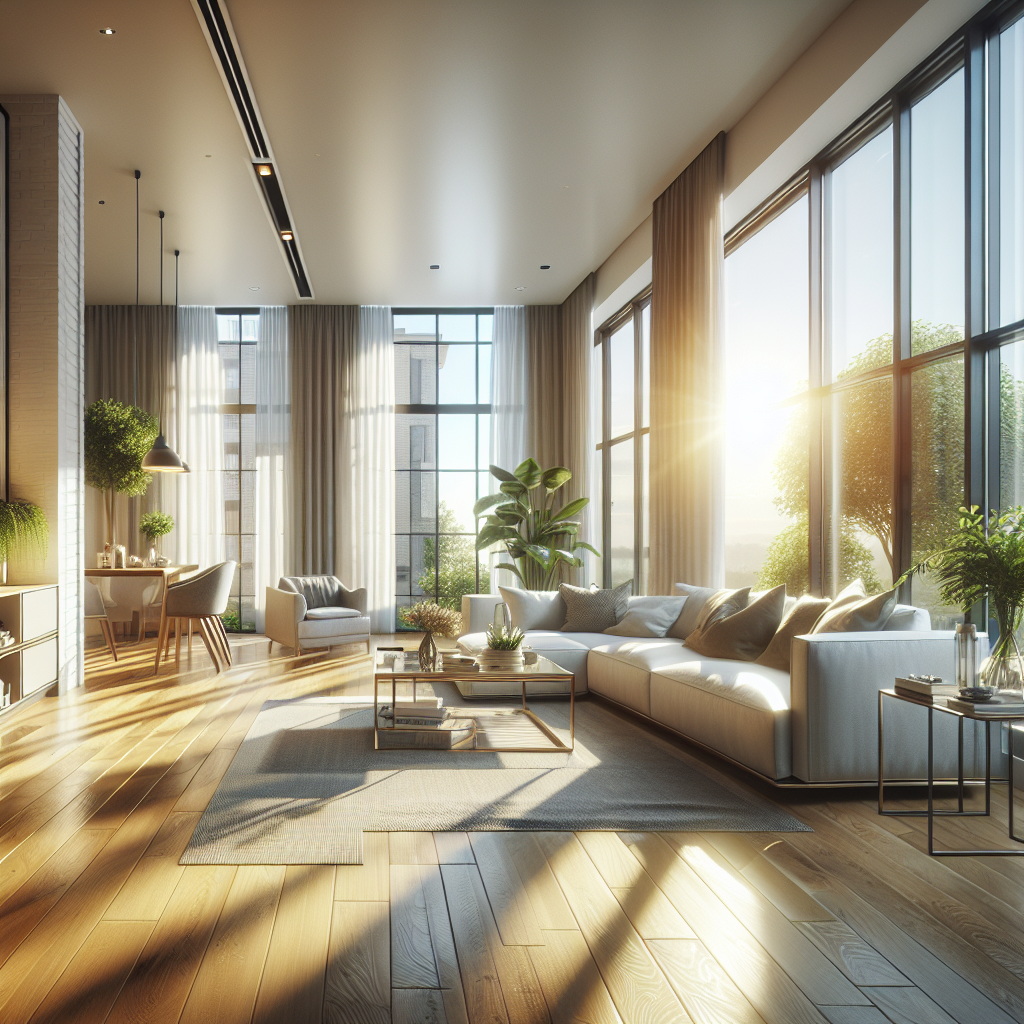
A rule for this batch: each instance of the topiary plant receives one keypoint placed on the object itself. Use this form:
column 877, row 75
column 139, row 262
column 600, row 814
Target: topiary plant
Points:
column 117, row 437
column 22, row 525
column 154, row 525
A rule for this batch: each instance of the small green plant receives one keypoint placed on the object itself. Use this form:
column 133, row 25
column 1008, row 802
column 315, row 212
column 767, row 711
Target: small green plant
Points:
column 502, row 639
column 153, row 525
column 22, row 525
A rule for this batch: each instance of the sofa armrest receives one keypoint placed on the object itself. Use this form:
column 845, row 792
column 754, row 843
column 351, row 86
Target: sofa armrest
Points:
column 284, row 611
column 834, row 684
column 354, row 598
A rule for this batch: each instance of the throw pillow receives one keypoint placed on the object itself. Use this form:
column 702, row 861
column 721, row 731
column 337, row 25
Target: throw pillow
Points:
column 854, row 612
column 731, row 628
column 799, row 621
column 534, row 609
column 648, row 616
column 593, row 611
column 696, row 599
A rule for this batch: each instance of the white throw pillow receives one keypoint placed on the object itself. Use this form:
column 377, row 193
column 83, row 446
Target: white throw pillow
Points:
column 534, row 609
column 648, row 616
column 853, row 611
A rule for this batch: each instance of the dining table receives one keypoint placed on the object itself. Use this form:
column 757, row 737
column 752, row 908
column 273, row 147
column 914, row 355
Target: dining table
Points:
column 170, row 574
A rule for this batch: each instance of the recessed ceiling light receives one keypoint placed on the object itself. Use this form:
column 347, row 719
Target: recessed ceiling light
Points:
column 287, row 236
column 520, row 288
column 106, row 31
column 254, row 287
column 545, row 266
column 208, row 155
column 435, row 266
column 102, row 202
column 264, row 170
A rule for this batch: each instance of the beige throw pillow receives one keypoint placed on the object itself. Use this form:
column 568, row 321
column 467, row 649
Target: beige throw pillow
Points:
column 731, row 628
column 800, row 621
column 854, row 612
column 593, row 611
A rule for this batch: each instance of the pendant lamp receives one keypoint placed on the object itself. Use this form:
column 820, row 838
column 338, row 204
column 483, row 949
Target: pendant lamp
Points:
column 161, row 458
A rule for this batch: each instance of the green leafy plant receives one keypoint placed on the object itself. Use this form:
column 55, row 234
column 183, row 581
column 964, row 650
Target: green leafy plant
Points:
column 539, row 537
column 502, row 639
column 154, row 525
column 22, row 526
column 117, row 437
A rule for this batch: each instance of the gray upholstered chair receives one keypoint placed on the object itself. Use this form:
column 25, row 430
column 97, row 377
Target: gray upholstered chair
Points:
column 94, row 609
column 200, row 600
column 304, row 612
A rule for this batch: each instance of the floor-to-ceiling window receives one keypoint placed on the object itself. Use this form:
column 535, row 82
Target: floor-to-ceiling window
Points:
column 622, row 417
column 238, row 332
column 442, row 442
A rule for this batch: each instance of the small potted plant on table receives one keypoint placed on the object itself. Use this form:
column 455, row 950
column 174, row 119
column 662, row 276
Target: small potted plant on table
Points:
column 503, row 650
column 153, row 526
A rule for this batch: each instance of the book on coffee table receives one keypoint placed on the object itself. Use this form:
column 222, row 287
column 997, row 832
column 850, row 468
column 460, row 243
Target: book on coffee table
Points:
column 998, row 705
column 926, row 687
column 450, row 734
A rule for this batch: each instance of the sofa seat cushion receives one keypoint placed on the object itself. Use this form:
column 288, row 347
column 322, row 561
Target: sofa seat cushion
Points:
column 621, row 671
column 336, row 612
column 321, row 629
column 738, row 708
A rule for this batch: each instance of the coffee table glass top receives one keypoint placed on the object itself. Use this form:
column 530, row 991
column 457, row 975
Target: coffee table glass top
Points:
column 407, row 663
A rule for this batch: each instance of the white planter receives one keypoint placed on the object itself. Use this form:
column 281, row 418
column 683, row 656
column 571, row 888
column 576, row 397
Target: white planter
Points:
column 499, row 661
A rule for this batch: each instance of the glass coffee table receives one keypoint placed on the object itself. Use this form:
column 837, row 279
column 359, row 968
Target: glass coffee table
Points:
column 490, row 725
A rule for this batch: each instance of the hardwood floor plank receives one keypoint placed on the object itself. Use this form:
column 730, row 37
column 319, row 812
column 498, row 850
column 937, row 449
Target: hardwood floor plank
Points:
column 851, row 954
column 367, row 881
column 417, row 1006
column 854, row 1015
column 412, row 954
column 707, row 992
column 453, row 848
column 612, row 858
column 442, row 941
column 229, row 978
column 572, row 985
column 90, row 984
column 292, row 987
column 205, row 782
column 768, row 988
column 908, row 1006
column 358, row 985
column 635, row 982
column 412, row 848
column 510, row 902
column 549, row 903
column 157, row 987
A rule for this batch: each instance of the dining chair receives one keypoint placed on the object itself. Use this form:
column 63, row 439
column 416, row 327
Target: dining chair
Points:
column 125, row 597
column 94, row 609
column 199, row 601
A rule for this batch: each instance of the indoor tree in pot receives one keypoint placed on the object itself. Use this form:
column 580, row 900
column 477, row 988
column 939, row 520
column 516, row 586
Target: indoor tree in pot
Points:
column 117, row 438
column 22, row 526
column 986, row 561
column 539, row 537
column 153, row 526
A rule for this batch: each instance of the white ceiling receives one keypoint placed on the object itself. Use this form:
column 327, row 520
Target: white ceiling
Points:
column 488, row 137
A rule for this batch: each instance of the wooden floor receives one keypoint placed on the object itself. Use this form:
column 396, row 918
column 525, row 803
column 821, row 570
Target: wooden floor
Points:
column 100, row 791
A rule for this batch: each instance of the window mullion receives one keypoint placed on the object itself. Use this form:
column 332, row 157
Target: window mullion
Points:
column 902, row 491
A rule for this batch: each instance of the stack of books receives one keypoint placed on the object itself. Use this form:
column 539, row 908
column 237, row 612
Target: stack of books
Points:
column 1000, row 704
column 419, row 714
column 926, row 686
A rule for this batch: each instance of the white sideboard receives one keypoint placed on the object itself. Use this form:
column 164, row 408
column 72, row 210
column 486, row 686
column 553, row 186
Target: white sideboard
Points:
column 30, row 663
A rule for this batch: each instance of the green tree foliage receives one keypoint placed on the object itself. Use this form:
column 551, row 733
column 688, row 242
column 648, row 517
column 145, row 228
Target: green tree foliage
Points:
column 153, row 525
column 456, row 557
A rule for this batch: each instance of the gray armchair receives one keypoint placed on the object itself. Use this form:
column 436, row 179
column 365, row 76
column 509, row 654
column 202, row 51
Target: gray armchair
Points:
column 305, row 612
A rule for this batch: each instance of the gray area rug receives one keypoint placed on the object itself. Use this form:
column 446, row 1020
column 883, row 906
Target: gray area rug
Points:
column 306, row 783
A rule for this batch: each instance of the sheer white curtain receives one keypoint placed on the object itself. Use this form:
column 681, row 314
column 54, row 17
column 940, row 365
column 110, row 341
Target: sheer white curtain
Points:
column 366, row 477
column 508, row 405
column 273, row 437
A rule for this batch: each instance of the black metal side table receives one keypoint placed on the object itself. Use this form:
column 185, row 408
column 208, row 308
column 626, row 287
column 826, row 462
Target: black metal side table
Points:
column 931, row 705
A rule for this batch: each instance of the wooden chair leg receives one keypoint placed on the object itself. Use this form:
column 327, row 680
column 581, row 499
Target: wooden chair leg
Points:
column 108, row 635
column 224, row 637
column 177, row 645
column 160, row 643
column 210, row 643
column 190, row 641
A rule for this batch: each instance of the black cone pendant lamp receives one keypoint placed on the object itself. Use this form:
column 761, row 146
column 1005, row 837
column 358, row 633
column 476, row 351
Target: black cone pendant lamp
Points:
column 161, row 458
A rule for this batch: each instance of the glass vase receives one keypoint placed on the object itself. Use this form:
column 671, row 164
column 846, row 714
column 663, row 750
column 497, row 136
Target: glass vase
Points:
column 428, row 653
column 1003, row 669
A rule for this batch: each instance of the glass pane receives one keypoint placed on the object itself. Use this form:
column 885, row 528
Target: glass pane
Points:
column 456, row 442
column 860, row 521
column 1011, row 174
column 937, row 217
column 402, row 565
column 1011, row 424
column 422, row 502
column 250, row 326
column 229, row 360
column 231, row 503
column 422, row 581
column 484, row 387
column 645, row 364
column 419, row 326
column 597, row 513
column 248, row 439
column 621, row 369
column 247, row 490
column 597, row 393
column 766, row 441
column 414, row 441
column 486, row 327
column 457, row 568
column 227, row 327
column 645, row 515
column 862, row 257
column 415, row 374
column 247, row 374
column 232, row 443
column 936, row 472
column 621, row 511
column 456, row 327
column 457, row 497
column 457, row 368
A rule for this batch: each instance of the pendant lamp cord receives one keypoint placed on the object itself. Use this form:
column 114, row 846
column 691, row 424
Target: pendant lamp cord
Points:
column 177, row 253
column 161, row 257
column 135, row 317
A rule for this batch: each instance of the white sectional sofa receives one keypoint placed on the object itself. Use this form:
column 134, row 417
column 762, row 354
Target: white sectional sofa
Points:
column 816, row 725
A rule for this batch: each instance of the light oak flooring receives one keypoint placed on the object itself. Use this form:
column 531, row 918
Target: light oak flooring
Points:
column 100, row 791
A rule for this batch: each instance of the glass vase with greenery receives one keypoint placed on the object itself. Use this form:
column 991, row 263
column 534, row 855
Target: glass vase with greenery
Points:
column 539, row 536
column 985, row 561
column 23, row 526
column 153, row 526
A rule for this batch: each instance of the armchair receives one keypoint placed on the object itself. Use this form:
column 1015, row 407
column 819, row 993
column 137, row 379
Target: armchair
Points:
column 305, row 612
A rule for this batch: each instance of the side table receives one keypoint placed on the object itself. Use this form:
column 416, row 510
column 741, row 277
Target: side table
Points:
column 931, row 705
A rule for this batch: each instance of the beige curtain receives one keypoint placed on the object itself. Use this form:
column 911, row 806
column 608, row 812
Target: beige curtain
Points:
column 558, row 354
column 686, row 500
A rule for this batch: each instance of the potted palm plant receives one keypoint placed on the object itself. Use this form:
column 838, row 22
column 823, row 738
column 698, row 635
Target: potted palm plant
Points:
column 22, row 526
column 986, row 562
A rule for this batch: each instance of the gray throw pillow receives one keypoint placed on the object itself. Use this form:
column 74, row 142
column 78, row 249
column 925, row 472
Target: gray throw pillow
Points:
column 730, row 628
column 648, row 616
column 593, row 611
column 534, row 609
column 799, row 621
column 696, row 599
column 854, row 612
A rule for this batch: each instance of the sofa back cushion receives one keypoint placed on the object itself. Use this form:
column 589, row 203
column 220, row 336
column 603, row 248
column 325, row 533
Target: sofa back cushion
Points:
column 648, row 616
column 853, row 611
column 696, row 599
column 534, row 609
column 319, row 591
column 797, row 622
column 593, row 611
column 731, row 628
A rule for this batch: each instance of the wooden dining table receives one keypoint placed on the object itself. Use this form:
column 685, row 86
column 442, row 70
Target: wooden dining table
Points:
column 170, row 574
